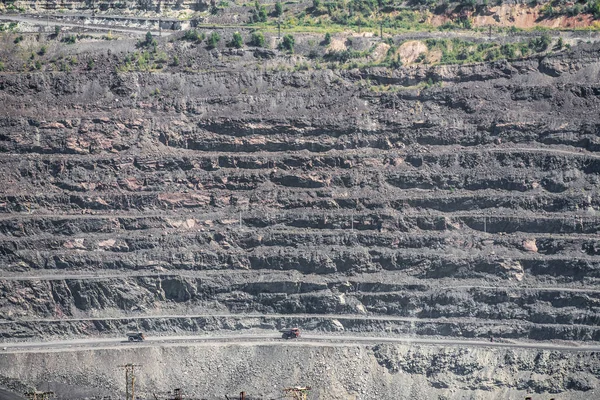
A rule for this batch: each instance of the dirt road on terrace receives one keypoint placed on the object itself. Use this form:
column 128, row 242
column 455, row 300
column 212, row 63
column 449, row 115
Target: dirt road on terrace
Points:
column 273, row 339
column 43, row 21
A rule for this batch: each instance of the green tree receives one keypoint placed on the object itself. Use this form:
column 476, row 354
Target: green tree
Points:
column 288, row 43
column 257, row 39
column 316, row 4
column 259, row 14
column 149, row 41
column 213, row 40
column 149, row 38
column 236, row 41
column 278, row 9
column 594, row 7
column 262, row 14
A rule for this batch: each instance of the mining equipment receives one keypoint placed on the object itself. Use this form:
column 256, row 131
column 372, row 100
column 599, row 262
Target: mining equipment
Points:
column 35, row 395
column 242, row 396
column 136, row 337
column 177, row 394
column 297, row 393
column 293, row 333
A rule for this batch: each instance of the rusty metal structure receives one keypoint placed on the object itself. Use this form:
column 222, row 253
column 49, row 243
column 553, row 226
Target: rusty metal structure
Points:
column 297, row 393
column 129, row 380
column 177, row 394
column 36, row 395
column 242, row 396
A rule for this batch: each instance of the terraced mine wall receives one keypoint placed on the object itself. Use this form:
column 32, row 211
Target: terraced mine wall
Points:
column 341, row 199
column 455, row 201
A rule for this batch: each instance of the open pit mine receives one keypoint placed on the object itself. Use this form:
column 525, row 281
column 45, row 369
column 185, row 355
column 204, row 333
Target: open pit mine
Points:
column 262, row 201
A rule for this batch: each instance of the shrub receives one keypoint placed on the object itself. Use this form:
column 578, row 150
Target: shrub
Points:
column 71, row 39
column 397, row 62
column 547, row 11
column 468, row 4
column 540, row 43
column 57, row 29
column 508, row 50
column 466, row 23
column 175, row 61
column 193, row 36
column 236, row 41
column 288, row 43
column 90, row 64
column 1, row 66
column 18, row 39
column 42, row 50
column 213, row 40
column 492, row 54
column 327, row 39
column 257, row 39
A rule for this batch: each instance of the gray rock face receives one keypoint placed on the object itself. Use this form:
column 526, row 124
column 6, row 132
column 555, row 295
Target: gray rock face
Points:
column 335, row 372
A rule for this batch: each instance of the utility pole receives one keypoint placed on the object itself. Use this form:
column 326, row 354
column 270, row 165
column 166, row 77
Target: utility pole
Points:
column 380, row 20
column 129, row 380
column 279, row 29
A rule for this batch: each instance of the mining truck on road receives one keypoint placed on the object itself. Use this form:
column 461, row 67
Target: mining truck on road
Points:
column 136, row 337
column 293, row 333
